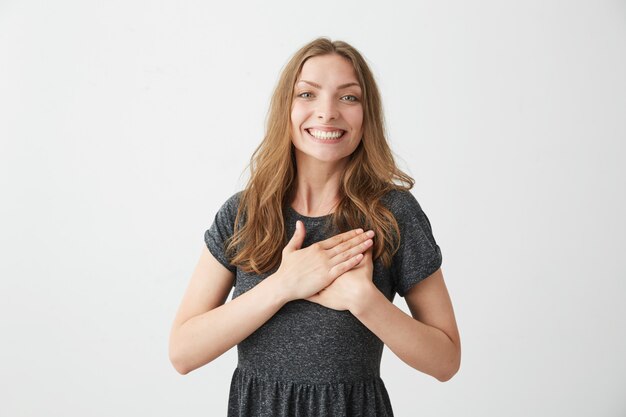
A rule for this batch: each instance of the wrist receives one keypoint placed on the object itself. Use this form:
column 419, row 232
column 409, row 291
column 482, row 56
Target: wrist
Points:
column 363, row 298
column 278, row 288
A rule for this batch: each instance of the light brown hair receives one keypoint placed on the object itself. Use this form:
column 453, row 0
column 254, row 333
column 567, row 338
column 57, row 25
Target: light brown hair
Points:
column 369, row 174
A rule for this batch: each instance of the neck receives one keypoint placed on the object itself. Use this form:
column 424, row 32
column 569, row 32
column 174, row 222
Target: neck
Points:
column 317, row 185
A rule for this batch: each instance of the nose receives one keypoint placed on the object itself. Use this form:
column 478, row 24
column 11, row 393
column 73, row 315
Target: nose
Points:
column 327, row 109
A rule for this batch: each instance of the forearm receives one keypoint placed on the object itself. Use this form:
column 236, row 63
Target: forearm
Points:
column 207, row 336
column 419, row 345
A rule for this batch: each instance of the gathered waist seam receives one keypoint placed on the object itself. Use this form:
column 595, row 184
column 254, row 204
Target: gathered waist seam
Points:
column 271, row 378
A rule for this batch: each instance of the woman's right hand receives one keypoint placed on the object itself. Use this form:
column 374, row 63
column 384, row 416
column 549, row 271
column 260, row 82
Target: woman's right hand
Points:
column 304, row 272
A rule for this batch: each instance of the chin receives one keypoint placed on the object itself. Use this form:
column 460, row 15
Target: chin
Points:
column 323, row 155
column 330, row 158
column 327, row 156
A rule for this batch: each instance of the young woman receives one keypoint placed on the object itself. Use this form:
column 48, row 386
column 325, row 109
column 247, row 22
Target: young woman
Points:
column 316, row 246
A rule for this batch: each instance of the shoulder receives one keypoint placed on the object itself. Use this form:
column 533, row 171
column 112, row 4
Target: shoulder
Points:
column 401, row 203
column 232, row 203
column 407, row 211
column 227, row 212
column 234, row 199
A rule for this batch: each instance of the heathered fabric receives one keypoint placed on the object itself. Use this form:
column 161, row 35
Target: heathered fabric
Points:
column 310, row 360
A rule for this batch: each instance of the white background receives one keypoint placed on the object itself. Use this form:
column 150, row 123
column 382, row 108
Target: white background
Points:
column 125, row 125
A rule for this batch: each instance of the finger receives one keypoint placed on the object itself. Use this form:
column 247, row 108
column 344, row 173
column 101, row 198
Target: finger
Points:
column 337, row 270
column 368, row 255
column 353, row 242
column 352, row 252
column 313, row 298
column 296, row 240
column 337, row 239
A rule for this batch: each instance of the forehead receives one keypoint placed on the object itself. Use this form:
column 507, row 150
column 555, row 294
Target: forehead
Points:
column 328, row 70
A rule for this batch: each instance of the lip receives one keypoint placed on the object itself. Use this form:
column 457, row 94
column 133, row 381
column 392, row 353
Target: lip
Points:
column 325, row 128
column 325, row 141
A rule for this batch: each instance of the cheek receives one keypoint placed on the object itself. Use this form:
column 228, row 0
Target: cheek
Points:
column 297, row 113
column 293, row 124
column 356, row 118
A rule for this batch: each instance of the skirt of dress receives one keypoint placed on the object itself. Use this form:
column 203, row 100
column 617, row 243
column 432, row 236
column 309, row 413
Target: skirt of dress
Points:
column 255, row 394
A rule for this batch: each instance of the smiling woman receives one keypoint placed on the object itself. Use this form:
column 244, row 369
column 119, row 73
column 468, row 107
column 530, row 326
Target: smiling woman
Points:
column 327, row 111
column 316, row 247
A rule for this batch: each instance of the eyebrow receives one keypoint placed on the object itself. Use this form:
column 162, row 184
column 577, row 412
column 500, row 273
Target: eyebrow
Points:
column 342, row 86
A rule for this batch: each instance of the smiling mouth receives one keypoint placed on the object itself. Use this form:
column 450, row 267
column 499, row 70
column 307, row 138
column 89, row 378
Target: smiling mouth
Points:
column 326, row 136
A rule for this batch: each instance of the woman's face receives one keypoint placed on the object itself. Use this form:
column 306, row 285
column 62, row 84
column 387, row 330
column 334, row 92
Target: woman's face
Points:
column 327, row 113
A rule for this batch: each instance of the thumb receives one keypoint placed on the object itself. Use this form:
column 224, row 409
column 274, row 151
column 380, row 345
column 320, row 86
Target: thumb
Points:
column 298, row 237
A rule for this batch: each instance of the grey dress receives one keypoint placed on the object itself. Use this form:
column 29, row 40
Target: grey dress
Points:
column 310, row 360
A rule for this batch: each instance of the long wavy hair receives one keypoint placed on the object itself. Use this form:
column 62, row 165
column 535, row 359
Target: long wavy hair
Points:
column 259, row 231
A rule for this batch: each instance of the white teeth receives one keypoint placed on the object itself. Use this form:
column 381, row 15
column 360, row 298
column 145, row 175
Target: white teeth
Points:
column 325, row 135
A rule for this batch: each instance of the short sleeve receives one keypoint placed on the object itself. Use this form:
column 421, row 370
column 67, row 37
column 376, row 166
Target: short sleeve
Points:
column 418, row 255
column 221, row 230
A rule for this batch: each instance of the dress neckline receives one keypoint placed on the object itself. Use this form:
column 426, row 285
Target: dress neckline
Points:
column 303, row 217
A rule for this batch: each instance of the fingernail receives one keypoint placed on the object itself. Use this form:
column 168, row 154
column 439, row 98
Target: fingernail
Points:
column 370, row 233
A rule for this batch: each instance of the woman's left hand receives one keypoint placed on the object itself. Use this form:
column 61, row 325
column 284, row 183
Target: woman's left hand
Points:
column 345, row 291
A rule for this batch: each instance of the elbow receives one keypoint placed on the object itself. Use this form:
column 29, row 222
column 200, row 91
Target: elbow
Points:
column 178, row 360
column 178, row 356
column 451, row 368
column 447, row 376
column 181, row 371
column 183, row 362
column 180, row 368
column 179, row 365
